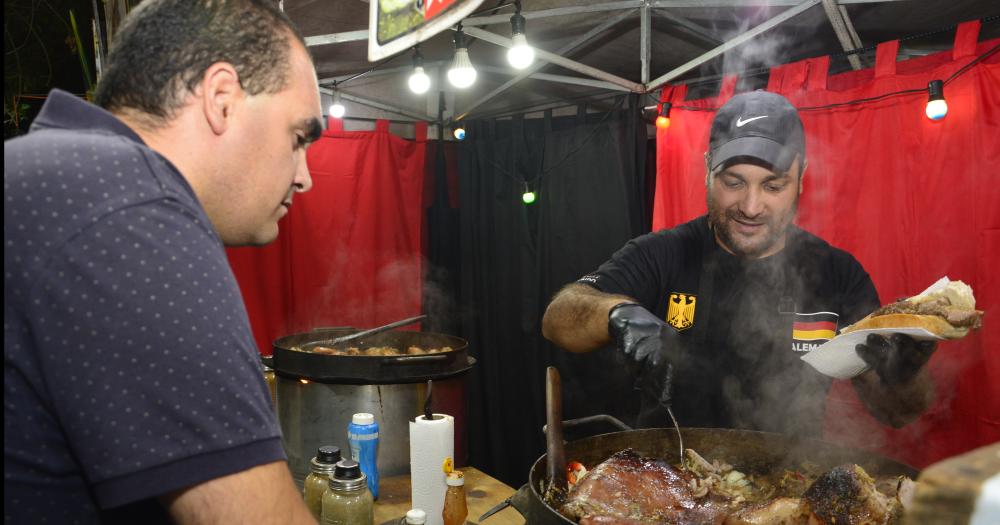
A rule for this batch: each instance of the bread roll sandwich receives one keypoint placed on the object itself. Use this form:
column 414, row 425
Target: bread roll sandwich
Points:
column 948, row 313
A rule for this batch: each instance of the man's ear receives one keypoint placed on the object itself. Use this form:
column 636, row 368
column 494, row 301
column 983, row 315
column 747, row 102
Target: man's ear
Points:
column 220, row 92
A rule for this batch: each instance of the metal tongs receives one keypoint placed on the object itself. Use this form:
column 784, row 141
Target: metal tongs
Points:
column 371, row 331
column 680, row 438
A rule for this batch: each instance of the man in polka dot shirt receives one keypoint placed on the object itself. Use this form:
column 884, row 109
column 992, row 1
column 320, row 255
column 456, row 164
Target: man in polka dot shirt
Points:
column 132, row 384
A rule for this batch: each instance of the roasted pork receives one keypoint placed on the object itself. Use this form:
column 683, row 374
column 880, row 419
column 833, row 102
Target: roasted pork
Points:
column 628, row 489
column 846, row 495
column 779, row 511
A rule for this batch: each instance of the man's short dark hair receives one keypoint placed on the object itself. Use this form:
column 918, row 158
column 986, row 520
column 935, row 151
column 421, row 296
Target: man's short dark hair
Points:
column 164, row 47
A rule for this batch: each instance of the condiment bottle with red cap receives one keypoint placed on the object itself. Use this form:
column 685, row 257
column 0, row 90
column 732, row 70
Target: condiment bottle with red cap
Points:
column 455, row 509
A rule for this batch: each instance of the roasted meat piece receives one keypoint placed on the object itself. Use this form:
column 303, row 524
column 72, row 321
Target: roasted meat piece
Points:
column 956, row 315
column 779, row 511
column 628, row 489
column 610, row 520
column 846, row 495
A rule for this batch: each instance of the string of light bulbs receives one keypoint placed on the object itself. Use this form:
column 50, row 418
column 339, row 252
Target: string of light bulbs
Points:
column 935, row 109
column 462, row 73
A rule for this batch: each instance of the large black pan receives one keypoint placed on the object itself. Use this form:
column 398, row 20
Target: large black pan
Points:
column 371, row 370
column 748, row 451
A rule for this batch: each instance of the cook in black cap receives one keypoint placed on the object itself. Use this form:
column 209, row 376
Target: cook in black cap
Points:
column 714, row 315
column 757, row 153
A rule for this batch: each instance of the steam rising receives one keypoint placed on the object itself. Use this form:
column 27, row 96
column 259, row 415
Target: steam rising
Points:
column 764, row 50
column 347, row 298
column 394, row 292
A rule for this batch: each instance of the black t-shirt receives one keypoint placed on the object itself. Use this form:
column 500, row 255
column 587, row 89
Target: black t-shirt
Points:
column 742, row 325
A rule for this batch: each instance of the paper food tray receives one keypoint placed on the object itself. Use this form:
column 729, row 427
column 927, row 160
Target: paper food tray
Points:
column 837, row 358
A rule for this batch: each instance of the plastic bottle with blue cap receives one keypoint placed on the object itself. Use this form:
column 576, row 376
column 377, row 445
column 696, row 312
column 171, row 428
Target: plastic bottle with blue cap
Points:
column 362, row 435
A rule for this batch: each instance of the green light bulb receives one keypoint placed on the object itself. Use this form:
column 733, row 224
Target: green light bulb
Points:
column 528, row 197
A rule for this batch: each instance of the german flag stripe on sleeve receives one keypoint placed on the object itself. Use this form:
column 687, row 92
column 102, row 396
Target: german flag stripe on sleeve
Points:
column 812, row 335
column 820, row 325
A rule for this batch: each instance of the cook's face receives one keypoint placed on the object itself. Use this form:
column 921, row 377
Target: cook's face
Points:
column 276, row 131
column 751, row 207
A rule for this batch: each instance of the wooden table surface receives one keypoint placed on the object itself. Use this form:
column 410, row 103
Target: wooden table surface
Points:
column 949, row 491
column 481, row 494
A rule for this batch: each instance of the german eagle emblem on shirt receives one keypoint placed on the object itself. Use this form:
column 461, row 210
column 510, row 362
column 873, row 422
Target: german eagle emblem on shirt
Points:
column 680, row 310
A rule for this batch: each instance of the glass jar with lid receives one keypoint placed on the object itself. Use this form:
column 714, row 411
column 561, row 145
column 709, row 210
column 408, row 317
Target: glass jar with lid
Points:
column 318, row 481
column 347, row 500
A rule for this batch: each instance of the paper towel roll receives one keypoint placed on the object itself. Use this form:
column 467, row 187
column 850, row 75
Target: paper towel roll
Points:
column 430, row 442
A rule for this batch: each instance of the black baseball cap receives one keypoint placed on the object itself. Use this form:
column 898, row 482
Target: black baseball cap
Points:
column 757, row 125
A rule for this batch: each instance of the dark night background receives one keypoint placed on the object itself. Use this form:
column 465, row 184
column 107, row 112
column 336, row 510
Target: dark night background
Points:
column 40, row 53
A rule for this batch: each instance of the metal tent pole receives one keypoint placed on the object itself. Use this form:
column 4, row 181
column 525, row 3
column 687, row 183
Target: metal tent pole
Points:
column 785, row 15
column 568, row 48
column 558, row 60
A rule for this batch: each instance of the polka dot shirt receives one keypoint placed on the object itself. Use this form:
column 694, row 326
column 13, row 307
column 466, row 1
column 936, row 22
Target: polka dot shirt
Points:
column 129, row 366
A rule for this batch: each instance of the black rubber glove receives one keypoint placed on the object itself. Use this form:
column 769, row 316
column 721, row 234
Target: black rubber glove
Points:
column 646, row 341
column 638, row 333
column 897, row 358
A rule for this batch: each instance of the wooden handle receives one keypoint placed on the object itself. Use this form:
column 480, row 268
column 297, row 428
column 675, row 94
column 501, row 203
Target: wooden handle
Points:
column 556, row 458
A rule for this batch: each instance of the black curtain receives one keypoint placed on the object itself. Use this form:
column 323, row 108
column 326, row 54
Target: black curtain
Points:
column 590, row 176
column 441, row 243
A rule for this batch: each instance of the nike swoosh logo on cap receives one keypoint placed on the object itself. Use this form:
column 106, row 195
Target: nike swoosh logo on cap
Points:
column 740, row 122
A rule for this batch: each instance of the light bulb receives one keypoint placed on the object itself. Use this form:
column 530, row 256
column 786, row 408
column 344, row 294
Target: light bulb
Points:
column 936, row 109
column 520, row 55
column 419, row 81
column 337, row 109
column 459, row 133
column 462, row 74
column 663, row 119
column 528, row 197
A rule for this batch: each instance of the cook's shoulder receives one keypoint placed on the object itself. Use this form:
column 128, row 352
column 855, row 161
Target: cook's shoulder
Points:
column 840, row 267
column 818, row 246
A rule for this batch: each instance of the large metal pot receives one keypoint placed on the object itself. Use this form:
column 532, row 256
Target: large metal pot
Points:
column 317, row 394
column 748, row 451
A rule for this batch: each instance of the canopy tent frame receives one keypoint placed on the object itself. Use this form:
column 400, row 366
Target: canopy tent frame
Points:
column 835, row 11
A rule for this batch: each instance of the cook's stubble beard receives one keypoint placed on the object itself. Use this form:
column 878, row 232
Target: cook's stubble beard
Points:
column 719, row 223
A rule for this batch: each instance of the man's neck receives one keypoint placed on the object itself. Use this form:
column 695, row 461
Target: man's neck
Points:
column 171, row 142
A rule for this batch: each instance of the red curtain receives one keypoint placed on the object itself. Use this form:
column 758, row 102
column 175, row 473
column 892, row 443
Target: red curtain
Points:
column 349, row 252
column 912, row 199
